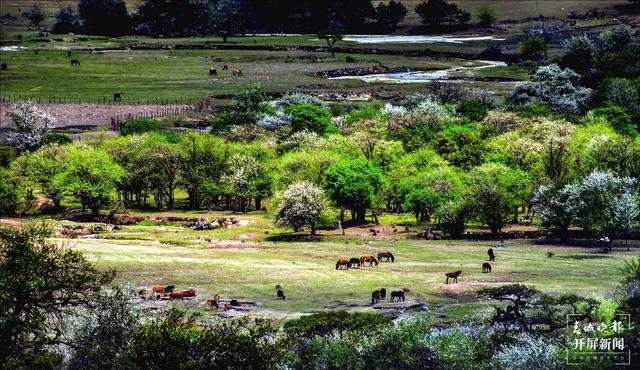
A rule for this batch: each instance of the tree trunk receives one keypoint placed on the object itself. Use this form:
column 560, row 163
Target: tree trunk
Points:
column 258, row 201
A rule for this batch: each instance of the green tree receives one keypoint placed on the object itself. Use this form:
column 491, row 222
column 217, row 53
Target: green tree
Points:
column 42, row 285
column 227, row 19
column 389, row 15
column 91, row 176
column 486, row 16
column 311, row 118
column 41, row 167
column 531, row 47
column 355, row 185
column 66, row 20
column 8, row 192
column 104, row 17
column 331, row 34
column 164, row 162
column 422, row 202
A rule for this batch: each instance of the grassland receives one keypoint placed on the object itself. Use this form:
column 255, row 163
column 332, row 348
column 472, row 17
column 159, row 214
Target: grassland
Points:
column 246, row 262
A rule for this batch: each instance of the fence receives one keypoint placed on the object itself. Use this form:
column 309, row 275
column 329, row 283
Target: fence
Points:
column 118, row 120
column 10, row 99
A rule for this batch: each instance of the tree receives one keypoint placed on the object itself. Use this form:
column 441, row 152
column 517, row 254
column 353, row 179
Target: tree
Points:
column 66, row 20
column 331, row 34
column 531, row 47
column 32, row 126
column 104, row 17
column 35, row 15
column 580, row 56
column 41, row 167
column 8, row 192
column 436, row 12
column 486, row 16
column 495, row 191
column 301, row 204
column 175, row 17
column 91, row 176
column 452, row 217
column 389, row 15
column 557, row 88
column 310, row 117
column 355, row 185
column 165, row 172
column 226, row 19
column 42, row 282
column 546, row 31
column 422, row 202
column 559, row 206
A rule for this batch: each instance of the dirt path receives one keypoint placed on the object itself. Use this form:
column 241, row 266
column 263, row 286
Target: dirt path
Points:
column 88, row 115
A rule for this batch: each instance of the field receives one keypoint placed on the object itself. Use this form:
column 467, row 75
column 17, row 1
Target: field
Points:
column 245, row 263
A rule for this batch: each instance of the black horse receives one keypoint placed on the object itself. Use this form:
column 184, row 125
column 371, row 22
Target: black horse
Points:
column 3, row 67
column 397, row 294
column 355, row 262
column 280, row 295
column 169, row 288
column 117, row 97
column 486, row 267
column 213, row 72
column 75, row 62
column 492, row 257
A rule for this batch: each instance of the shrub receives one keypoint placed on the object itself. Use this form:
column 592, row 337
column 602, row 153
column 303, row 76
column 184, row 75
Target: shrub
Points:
column 502, row 122
column 140, row 126
column 8, row 193
column 452, row 218
column 486, row 16
column 530, row 352
column 555, row 87
column 623, row 93
column 579, row 55
column 310, row 117
column 274, row 122
column 532, row 47
column 473, row 110
column 533, row 110
column 618, row 118
column 301, row 204
column 226, row 120
column 296, row 99
column 57, row 138
column 327, row 322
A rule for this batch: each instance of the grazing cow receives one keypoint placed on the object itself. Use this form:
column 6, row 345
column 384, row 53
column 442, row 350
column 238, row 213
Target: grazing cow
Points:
column 158, row 289
column 213, row 72
column 213, row 303
column 75, row 62
column 280, row 295
column 486, row 267
column 375, row 297
column 225, row 67
column 237, row 72
column 397, row 294
column 370, row 259
column 117, row 97
column 3, row 67
column 343, row 264
column 492, row 257
column 452, row 275
column 354, row 262
column 383, row 294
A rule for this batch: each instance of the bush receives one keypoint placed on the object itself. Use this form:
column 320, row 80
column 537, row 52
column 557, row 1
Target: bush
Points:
column 501, row 122
column 8, row 193
column 486, row 16
column 624, row 93
column 530, row 353
column 473, row 110
column 327, row 322
column 533, row 110
column 532, row 47
column 452, row 218
column 139, row 126
column 296, row 99
column 618, row 118
column 226, row 120
column 310, row 117
column 57, row 138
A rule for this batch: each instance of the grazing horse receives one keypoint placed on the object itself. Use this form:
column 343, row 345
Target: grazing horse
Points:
column 383, row 294
column 75, row 62
column 176, row 296
column 375, row 297
column 188, row 293
column 452, row 275
column 280, row 295
column 397, row 294
column 355, row 262
column 117, row 97
column 486, row 267
column 342, row 263
column 213, row 72
column 237, row 72
column 69, row 53
column 3, row 67
column 169, row 289
column 142, row 292
column 386, row 255
column 213, row 303
column 225, row 67
column 370, row 259
column 492, row 257
column 227, row 306
column 158, row 289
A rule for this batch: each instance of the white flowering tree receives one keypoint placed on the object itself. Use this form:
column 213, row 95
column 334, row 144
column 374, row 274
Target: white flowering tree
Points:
column 301, row 204
column 31, row 125
column 559, row 206
column 555, row 87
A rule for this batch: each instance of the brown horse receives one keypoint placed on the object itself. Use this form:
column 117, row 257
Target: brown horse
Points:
column 375, row 297
column 237, row 72
column 387, row 255
column 397, row 294
column 342, row 263
column 486, row 267
column 370, row 259
column 383, row 294
column 213, row 303
column 453, row 275
column 225, row 67
column 158, row 289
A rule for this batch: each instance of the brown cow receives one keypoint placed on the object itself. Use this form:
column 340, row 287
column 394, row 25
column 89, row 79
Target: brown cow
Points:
column 237, row 72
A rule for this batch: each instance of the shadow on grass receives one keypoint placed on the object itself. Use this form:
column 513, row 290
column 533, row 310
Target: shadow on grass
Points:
column 584, row 256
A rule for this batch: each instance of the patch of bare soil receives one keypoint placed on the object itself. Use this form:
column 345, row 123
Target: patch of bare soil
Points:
column 86, row 116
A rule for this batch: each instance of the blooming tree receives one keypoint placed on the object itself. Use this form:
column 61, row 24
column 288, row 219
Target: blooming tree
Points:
column 301, row 204
column 31, row 125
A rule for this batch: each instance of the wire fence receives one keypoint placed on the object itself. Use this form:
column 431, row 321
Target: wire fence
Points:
column 118, row 120
column 10, row 99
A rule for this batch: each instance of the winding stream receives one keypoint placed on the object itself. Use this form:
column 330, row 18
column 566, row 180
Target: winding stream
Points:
column 424, row 76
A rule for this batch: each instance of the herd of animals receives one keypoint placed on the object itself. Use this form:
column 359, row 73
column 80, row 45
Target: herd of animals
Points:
column 169, row 292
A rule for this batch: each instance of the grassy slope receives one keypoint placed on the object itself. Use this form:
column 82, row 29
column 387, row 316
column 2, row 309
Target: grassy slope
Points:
column 250, row 270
